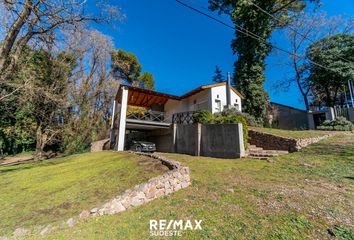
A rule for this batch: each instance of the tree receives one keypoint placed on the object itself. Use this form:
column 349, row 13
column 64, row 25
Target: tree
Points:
column 125, row 66
column 303, row 31
column 252, row 52
column 127, row 69
column 147, row 81
column 336, row 54
column 38, row 23
column 218, row 77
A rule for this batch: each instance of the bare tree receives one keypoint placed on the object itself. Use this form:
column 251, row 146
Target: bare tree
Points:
column 305, row 30
column 40, row 21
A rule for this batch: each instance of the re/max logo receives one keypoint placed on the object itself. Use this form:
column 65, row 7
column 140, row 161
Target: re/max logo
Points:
column 163, row 224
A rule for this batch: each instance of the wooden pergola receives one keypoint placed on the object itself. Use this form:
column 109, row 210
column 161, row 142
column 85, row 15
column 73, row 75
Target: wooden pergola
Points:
column 144, row 97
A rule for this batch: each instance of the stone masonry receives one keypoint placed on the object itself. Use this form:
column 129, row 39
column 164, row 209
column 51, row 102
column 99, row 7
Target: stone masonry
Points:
column 174, row 180
column 272, row 142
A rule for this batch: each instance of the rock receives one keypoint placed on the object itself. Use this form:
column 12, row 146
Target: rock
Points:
column 151, row 193
column 185, row 184
column 3, row 238
column 46, row 229
column 116, row 208
column 84, row 214
column 94, row 210
column 160, row 193
column 71, row 222
column 230, row 190
column 21, row 232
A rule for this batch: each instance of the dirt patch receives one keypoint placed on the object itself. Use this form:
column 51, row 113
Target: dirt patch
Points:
column 16, row 160
column 153, row 165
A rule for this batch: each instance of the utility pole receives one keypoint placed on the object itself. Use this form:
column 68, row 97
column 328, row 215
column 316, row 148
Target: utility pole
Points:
column 228, row 91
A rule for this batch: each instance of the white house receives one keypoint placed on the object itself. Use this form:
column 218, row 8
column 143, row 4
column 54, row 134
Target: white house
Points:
column 161, row 109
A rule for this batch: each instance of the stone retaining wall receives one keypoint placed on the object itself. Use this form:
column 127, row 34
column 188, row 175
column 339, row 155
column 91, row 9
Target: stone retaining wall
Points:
column 174, row 180
column 272, row 142
column 101, row 145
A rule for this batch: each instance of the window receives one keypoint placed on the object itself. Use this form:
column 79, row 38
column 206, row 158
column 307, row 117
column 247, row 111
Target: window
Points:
column 237, row 106
column 218, row 105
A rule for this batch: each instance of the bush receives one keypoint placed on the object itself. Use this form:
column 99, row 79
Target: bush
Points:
column 202, row 116
column 227, row 116
column 251, row 120
column 339, row 124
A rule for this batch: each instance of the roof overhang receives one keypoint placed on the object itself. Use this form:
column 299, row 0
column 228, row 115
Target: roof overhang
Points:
column 201, row 88
column 144, row 97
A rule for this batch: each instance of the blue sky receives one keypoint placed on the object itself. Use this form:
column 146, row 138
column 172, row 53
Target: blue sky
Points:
column 181, row 48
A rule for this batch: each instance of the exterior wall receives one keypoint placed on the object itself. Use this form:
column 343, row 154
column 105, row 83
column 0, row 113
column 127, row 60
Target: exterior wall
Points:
column 272, row 142
column 221, row 91
column 203, row 100
column 210, row 140
column 285, row 117
column 195, row 102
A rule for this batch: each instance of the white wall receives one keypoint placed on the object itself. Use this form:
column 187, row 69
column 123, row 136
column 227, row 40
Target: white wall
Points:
column 203, row 100
column 195, row 102
column 221, row 92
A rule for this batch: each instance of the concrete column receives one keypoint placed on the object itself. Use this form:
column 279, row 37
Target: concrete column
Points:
column 311, row 122
column 111, row 133
column 174, row 137
column 198, row 134
column 122, row 119
column 330, row 114
column 241, row 142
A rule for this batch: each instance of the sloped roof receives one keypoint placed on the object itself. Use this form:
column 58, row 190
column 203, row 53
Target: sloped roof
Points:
column 145, row 97
column 203, row 87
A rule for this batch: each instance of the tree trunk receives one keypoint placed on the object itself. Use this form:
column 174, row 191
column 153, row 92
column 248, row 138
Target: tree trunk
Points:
column 40, row 142
column 13, row 33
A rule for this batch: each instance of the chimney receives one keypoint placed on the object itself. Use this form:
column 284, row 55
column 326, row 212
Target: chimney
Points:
column 228, row 91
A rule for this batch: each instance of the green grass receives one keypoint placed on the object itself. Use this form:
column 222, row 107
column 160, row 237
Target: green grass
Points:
column 302, row 195
column 298, row 134
column 50, row 191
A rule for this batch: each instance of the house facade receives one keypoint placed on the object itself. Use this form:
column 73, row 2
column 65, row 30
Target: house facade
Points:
column 158, row 110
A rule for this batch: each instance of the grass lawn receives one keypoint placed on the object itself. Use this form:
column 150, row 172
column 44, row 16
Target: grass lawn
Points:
column 55, row 190
column 302, row 195
column 298, row 134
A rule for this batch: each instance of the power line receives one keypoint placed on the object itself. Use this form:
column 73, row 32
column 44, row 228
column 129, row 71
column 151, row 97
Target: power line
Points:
column 292, row 28
column 249, row 34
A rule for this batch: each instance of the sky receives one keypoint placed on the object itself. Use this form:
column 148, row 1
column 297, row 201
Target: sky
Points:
column 181, row 48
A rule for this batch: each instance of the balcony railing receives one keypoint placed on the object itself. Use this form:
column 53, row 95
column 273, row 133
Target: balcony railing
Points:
column 152, row 116
column 183, row 118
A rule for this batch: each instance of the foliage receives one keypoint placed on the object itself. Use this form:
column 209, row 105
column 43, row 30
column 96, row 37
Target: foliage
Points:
column 218, row 76
column 339, row 124
column 331, row 52
column 251, row 52
column 203, row 117
column 147, row 81
column 125, row 65
column 126, row 68
column 226, row 116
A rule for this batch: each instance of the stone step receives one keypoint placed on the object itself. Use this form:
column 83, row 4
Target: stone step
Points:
column 263, row 155
column 259, row 158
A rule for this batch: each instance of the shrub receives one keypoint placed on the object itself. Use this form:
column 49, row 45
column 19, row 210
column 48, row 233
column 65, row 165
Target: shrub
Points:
column 251, row 120
column 227, row 116
column 202, row 116
column 339, row 124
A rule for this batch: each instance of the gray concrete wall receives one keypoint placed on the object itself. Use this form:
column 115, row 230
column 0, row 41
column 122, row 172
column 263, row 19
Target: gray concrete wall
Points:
column 185, row 138
column 222, row 140
column 351, row 114
column 163, row 139
column 285, row 117
column 210, row 140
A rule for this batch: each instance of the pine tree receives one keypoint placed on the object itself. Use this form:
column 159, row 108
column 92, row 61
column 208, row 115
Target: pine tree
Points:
column 218, row 77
